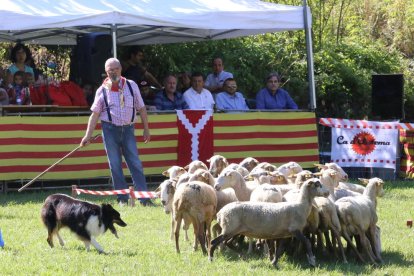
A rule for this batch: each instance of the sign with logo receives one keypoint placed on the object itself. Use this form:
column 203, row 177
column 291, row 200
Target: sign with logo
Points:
column 365, row 144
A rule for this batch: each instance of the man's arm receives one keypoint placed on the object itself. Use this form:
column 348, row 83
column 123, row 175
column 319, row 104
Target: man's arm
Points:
column 93, row 120
column 144, row 120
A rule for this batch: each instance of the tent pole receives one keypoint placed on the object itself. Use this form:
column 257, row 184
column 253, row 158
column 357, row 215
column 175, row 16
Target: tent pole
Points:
column 113, row 33
column 309, row 54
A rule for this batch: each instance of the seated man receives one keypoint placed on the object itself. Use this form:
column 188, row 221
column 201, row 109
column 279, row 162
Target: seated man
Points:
column 230, row 99
column 215, row 80
column 196, row 96
column 274, row 97
column 169, row 98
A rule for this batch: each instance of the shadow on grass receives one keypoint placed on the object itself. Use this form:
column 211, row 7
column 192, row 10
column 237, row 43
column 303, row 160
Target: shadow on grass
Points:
column 322, row 262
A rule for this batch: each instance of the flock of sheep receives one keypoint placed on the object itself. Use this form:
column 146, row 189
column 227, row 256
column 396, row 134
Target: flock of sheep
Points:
column 281, row 207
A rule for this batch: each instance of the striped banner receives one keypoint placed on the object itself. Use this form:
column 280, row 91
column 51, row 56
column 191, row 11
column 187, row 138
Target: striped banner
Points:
column 29, row 145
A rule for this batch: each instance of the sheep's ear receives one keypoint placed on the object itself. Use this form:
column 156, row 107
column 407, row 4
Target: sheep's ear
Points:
column 248, row 177
column 317, row 174
column 165, row 173
column 187, row 167
column 363, row 180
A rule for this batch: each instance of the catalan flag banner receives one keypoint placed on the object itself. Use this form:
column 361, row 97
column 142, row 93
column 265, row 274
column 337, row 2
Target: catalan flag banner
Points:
column 29, row 145
column 195, row 136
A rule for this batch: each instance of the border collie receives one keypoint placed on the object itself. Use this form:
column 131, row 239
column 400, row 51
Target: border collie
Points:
column 86, row 219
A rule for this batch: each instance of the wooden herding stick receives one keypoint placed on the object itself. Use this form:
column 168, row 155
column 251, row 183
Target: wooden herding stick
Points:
column 56, row 163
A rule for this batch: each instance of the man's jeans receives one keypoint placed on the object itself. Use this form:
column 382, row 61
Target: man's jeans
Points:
column 118, row 141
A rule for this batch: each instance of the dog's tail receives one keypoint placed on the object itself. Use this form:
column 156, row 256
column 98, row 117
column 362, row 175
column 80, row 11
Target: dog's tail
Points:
column 48, row 214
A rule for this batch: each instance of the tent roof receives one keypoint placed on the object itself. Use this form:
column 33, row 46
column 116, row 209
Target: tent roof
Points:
column 143, row 21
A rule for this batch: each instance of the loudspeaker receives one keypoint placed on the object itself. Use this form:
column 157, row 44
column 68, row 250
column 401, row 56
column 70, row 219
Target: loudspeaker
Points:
column 387, row 96
column 89, row 56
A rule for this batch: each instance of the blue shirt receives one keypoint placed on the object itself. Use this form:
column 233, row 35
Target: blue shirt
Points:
column 281, row 100
column 13, row 69
column 162, row 102
column 231, row 102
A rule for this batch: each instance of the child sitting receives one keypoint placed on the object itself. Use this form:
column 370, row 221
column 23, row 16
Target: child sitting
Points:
column 19, row 93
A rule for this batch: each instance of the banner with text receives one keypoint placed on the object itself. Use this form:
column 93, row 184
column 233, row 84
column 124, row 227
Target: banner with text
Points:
column 360, row 143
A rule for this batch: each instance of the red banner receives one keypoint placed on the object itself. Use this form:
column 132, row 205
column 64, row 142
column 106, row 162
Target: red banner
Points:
column 195, row 136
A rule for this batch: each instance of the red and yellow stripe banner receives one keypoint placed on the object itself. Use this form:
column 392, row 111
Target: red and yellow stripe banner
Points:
column 29, row 145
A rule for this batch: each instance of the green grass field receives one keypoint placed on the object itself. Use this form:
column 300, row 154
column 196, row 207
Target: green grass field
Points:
column 144, row 246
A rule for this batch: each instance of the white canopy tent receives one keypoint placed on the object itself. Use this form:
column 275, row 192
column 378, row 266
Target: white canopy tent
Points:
column 150, row 21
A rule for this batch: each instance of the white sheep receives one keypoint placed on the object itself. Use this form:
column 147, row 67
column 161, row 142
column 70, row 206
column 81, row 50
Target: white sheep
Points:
column 264, row 193
column 217, row 164
column 264, row 220
column 166, row 191
column 197, row 201
column 358, row 216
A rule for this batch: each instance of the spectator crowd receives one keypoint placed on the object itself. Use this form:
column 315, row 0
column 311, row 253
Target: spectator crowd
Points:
column 22, row 84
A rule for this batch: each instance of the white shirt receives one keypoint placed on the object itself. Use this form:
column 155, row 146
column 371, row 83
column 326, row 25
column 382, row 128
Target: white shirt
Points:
column 217, row 80
column 199, row 101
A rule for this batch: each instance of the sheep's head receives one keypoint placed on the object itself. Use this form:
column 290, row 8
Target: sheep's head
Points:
column 336, row 167
column 227, row 178
column 194, row 165
column 249, row 163
column 302, row 176
column 174, row 171
column 376, row 182
column 315, row 187
column 166, row 192
column 330, row 177
column 217, row 164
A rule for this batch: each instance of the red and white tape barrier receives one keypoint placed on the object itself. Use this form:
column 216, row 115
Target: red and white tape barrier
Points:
column 363, row 124
column 137, row 194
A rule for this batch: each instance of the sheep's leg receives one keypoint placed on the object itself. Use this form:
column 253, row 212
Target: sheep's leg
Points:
column 271, row 248
column 328, row 242
column 250, row 250
column 336, row 237
column 311, row 258
column 280, row 248
column 208, row 234
column 373, row 238
column 177, row 233
column 202, row 237
column 366, row 246
column 352, row 246
column 172, row 227
column 214, row 243
column 61, row 241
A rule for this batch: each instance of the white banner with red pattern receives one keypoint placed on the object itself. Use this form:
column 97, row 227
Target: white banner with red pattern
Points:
column 360, row 143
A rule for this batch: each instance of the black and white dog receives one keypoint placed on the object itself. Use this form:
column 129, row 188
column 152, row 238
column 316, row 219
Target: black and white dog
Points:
column 86, row 219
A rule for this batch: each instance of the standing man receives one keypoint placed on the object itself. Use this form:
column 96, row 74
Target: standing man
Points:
column 197, row 97
column 230, row 99
column 215, row 80
column 135, row 68
column 169, row 98
column 116, row 103
column 273, row 96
